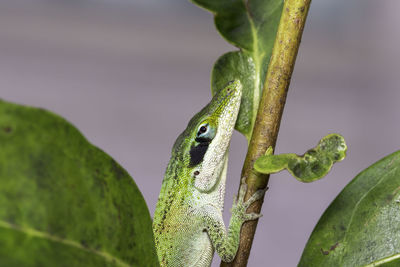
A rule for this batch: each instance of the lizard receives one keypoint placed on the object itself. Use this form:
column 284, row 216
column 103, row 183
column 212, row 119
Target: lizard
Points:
column 188, row 225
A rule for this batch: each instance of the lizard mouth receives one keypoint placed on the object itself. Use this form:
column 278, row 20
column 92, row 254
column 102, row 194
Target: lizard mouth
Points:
column 215, row 155
column 228, row 99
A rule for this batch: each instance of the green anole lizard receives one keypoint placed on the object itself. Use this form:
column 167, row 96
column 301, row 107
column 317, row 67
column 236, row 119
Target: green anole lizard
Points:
column 188, row 224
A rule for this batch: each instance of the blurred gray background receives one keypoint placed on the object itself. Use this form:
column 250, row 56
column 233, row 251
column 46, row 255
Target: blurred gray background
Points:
column 130, row 74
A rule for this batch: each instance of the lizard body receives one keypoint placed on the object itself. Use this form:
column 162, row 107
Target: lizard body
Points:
column 188, row 224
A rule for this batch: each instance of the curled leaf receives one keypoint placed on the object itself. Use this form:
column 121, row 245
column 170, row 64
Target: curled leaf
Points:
column 311, row 166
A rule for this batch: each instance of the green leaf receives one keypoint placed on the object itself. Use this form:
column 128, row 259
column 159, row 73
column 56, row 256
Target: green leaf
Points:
column 362, row 225
column 251, row 26
column 313, row 165
column 64, row 202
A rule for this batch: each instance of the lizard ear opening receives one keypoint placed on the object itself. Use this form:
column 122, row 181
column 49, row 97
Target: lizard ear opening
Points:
column 206, row 176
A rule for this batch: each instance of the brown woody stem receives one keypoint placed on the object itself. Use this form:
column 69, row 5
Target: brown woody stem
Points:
column 270, row 111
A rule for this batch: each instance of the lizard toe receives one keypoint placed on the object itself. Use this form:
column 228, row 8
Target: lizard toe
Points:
column 252, row 216
column 259, row 194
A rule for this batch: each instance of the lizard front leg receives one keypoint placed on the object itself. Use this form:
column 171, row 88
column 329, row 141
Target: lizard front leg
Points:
column 226, row 242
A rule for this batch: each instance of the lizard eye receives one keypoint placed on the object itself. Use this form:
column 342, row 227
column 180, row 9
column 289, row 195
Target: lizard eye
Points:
column 205, row 133
column 203, row 129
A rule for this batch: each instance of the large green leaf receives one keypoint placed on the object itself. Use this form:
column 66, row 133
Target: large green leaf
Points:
column 362, row 225
column 64, row 202
column 251, row 25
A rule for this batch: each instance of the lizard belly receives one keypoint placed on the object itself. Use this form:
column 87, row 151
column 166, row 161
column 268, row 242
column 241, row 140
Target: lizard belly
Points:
column 202, row 251
column 195, row 249
column 191, row 245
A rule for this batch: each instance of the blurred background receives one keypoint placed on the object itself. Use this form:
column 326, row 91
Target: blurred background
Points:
column 130, row 74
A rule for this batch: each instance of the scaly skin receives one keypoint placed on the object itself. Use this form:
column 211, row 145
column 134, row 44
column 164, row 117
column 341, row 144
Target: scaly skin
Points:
column 188, row 224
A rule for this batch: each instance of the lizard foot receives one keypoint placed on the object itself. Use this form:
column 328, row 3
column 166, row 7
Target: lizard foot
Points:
column 240, row 206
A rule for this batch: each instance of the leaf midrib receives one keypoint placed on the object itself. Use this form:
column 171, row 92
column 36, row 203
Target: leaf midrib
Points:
column 258, row 56
column 384, row 260
column 257, row 65
column 38, row 234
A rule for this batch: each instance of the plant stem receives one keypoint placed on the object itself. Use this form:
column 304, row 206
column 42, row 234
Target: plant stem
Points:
column 270, row 111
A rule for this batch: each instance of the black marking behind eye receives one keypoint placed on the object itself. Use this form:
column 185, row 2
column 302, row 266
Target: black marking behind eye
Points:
column 197, row 153
column 202, row 140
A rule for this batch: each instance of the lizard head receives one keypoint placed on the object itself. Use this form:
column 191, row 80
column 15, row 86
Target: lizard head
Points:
column 205, row 142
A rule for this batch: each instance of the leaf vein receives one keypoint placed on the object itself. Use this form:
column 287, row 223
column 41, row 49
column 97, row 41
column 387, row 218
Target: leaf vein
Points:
column 356, row 207
column 35, row 233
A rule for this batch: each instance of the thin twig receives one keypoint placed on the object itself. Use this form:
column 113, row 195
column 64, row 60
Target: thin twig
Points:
column 270, row 111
